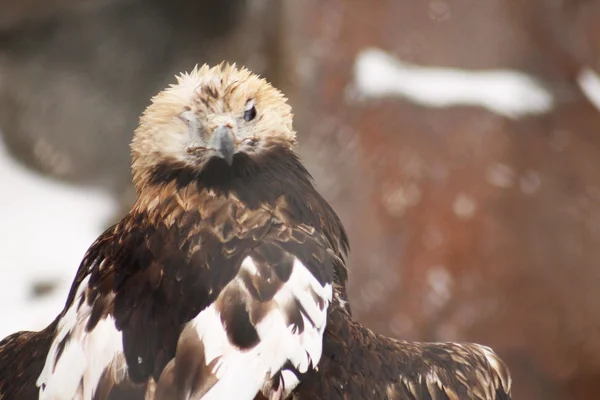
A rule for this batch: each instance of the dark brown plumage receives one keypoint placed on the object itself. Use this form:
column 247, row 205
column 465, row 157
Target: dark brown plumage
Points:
column 22, row 357
column 228, row 275
column 359, row 364
column 150, row 251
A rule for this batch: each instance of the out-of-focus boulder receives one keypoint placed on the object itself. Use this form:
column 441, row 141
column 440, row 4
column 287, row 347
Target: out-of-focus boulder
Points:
column 74, row 79
column 15, row 14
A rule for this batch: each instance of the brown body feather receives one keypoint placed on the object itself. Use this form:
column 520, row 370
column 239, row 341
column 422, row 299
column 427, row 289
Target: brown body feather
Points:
column 22, row 357
column 359, row 364
column 153, row 270
column 356, row 364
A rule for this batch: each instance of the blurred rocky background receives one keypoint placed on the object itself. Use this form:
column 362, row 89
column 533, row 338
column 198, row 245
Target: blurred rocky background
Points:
column 459, row 140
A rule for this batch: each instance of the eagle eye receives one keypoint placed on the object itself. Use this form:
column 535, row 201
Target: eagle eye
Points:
column 250, row 112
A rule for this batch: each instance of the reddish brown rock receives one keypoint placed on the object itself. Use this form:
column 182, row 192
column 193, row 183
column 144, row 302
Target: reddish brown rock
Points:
column 464, row 225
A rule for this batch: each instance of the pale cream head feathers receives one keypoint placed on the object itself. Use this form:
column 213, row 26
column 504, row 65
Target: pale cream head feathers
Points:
column 212, row 112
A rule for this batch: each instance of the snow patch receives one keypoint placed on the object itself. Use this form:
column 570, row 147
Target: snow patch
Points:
column 589, row 82
column 46, row 227
column 512, row 94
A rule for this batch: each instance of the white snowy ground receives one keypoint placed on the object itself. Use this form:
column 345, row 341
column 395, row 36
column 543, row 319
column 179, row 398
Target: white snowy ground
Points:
column 46, row 226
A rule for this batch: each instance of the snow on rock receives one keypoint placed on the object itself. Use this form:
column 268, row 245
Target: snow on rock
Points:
column 45, row 228
column 589, row 82
column 509, row 93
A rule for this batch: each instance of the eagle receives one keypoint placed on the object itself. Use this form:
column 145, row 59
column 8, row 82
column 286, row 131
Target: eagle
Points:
column 227, row 279
column 217, row 283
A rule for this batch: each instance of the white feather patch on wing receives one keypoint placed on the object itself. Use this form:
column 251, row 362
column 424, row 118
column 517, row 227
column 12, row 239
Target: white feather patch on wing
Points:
column 76, row 371
column 243, row 373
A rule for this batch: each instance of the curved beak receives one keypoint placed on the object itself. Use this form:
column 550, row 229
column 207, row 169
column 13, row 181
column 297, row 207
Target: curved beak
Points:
column 223, row 143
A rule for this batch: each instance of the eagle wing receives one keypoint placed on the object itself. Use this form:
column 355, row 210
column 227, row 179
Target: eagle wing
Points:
column 265, row 327
column 193, row 311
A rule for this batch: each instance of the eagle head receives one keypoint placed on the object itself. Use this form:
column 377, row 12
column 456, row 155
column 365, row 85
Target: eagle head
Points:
column 214, row 117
